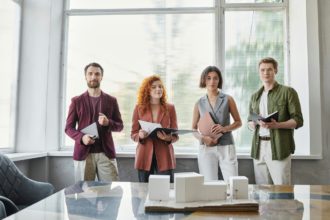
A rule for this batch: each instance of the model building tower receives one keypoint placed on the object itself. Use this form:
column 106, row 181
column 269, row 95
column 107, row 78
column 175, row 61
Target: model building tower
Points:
column 239, row 187
column 159, row 187
column 190, row 187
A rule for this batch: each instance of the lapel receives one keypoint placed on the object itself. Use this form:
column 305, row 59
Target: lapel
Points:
column 161, row 114
column 102, row 100
column 206, row 103
column 219, row 102
column 87, row 106
column 147, row 116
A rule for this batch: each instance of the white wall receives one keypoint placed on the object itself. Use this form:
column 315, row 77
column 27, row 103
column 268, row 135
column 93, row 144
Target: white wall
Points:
column 305, row 72
column 39, row 77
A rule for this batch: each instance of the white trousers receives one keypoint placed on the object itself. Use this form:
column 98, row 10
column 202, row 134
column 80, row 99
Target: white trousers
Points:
column 268, row 171
column 98, row 165
column 209, row 158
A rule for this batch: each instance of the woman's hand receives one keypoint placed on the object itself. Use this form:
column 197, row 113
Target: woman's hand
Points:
column 217, row 129
column 197, row 135
column 208, row 141
column 143, row 134
column 163, row 136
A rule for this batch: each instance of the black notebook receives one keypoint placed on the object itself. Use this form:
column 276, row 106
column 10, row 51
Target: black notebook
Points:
column 153, row 128
column 255, row 117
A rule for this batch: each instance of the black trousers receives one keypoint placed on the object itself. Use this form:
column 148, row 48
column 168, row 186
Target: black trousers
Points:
column 144, row 175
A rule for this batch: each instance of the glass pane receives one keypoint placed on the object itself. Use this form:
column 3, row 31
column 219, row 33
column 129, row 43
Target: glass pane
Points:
column 8, row 27
column 131, row 47
column 260, row 34
column 115, row 4
column 254, row 1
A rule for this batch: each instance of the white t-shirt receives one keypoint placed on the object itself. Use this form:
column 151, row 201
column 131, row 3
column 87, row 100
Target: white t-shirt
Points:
column 263, row 110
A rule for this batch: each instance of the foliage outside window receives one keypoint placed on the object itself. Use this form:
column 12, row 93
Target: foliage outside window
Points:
column 177, row 40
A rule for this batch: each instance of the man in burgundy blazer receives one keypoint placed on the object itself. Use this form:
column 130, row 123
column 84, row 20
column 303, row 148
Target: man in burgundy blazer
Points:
column 94, row 156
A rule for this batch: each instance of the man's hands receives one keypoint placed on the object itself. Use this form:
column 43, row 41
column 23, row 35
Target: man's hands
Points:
column 270, row 125
column 103, row 120
column 87, row 140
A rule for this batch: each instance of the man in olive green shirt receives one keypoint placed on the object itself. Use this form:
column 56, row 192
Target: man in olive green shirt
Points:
column 273, row 141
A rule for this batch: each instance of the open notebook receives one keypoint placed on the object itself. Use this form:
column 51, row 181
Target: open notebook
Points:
column 153, row 128
column 255, row 117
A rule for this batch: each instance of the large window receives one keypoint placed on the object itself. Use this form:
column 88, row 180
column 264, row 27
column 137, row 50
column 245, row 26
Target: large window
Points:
column 259, row 34
column 9, row 26
column 177, row 40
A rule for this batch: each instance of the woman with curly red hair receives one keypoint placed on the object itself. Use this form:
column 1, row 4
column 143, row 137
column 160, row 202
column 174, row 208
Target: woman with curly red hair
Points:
column 154, row 155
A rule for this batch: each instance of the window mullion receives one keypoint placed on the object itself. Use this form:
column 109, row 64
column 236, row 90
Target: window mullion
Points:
column 220, row 34
column 254, row 6
column 64, row 56
column 135, row 11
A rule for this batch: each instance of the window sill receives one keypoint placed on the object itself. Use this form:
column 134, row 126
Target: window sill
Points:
column 27, row 156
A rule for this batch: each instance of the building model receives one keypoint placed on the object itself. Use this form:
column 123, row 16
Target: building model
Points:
column 190, row 187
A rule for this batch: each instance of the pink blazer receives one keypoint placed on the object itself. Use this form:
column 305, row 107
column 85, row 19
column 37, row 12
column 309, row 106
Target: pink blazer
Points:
column 164, row 152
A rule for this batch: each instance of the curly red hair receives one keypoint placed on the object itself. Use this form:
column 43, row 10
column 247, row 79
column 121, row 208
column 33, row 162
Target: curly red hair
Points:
column 143, row 96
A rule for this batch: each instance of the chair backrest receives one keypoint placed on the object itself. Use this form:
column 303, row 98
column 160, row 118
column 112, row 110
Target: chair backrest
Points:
column 3, row 213
column 17, row 187
column 11, row 178
column 8, row 207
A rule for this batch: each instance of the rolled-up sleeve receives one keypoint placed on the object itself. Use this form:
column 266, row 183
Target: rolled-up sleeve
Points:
column 116, row 122
column 295, row 108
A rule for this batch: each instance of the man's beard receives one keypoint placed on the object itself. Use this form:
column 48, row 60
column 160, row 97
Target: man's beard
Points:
column 93, row 85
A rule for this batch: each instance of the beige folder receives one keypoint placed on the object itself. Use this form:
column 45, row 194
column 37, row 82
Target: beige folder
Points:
column 205, row 125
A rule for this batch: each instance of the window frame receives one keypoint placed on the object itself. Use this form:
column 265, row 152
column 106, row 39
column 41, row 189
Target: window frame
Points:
column 219, row 9
column 14, row 84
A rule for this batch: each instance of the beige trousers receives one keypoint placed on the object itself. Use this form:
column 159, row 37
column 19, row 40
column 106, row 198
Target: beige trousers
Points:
column 269, row 171
column 96, row 164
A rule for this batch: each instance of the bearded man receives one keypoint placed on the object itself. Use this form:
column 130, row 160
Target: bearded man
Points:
column 94, row 156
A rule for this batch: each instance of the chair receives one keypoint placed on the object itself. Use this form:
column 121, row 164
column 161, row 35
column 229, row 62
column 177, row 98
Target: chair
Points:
column 7, row 207
column 16, row 190
column 3, row 213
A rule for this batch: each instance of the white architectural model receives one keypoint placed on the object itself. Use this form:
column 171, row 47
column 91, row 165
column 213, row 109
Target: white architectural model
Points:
column 239, row 187
column 190, row 187
column 159, row 187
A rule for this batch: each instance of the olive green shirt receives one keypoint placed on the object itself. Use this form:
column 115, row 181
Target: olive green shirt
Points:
column 285, row 100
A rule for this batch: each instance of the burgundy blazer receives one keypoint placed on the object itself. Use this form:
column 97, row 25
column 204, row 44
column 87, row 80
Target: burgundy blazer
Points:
column 164, row 151
column 80, row 112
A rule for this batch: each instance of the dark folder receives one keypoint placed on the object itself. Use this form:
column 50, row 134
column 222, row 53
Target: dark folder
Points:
column 153, row 134
column 255, row 117
column 153, row 128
